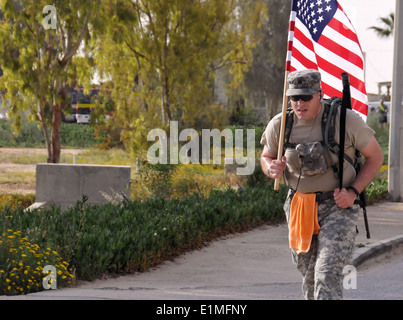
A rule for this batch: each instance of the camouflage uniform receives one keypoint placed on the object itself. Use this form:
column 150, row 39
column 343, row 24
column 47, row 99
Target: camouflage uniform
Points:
column 331, row 250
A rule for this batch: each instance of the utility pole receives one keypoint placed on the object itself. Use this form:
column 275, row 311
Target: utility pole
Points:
column 396, row 120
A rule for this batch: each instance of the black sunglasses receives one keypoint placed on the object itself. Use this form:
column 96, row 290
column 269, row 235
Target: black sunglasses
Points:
column 302, row 97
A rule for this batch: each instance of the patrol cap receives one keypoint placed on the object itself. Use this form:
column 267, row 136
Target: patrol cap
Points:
column 303, row 82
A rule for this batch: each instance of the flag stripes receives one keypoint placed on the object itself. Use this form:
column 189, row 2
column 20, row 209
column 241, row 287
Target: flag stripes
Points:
column 321, row 37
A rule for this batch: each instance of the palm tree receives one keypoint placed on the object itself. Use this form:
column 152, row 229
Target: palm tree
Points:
column 387, row 30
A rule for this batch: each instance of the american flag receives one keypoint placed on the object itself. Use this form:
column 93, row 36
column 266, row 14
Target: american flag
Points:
column 322, row 37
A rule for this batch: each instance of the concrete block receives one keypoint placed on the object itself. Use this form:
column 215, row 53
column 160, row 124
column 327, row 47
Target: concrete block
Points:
column 65, row 184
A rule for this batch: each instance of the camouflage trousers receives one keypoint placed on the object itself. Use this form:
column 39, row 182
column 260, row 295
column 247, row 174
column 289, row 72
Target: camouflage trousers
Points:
column 331, row 250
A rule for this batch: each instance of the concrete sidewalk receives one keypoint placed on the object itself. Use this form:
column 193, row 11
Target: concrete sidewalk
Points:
column 254, row 265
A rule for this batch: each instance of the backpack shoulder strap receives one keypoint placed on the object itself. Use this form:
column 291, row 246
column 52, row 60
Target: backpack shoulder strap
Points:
column 329, row 123
column 288, row 128
column 331, row 107
column 329, row 129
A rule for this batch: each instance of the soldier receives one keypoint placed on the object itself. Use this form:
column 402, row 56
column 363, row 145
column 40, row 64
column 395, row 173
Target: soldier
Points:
column 321, row 217
column 383, row 112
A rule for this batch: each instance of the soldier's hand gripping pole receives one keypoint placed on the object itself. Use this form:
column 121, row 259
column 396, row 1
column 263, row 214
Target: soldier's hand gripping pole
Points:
column 282, row 127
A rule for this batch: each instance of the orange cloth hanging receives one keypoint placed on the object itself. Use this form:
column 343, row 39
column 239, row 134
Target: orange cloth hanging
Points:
column 303, row 221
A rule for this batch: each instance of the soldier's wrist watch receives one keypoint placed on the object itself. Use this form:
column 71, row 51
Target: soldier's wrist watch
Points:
column 354, row 190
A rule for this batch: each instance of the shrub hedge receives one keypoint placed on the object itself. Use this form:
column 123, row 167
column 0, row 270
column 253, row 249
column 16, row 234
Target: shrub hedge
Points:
column 133, row 236
column 72, row 135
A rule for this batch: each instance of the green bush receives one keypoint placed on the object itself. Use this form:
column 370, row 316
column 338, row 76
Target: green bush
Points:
column 7, row 139
column 29, row 136
column 72, row 135
column 95, row 240
column 22, row 264
column 78, row 135
column 15, row 200
column 259, row 130
column 377, row 190
column 154, row 181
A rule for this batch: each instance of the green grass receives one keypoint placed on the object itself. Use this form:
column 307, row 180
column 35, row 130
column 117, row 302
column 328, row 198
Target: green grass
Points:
column 105, row 157
column 17, row 177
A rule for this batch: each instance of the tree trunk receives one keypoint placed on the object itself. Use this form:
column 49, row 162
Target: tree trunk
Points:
column 55, row 141
column 166, row 104
column 42, row 119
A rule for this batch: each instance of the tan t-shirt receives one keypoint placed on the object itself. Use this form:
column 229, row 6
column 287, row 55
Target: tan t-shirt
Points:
column 317, row 175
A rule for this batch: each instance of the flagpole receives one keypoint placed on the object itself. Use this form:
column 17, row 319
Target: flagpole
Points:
column 285, row 99
column 282, row 128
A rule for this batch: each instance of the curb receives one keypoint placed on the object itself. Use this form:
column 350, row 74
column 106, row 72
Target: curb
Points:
column 377, row 250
